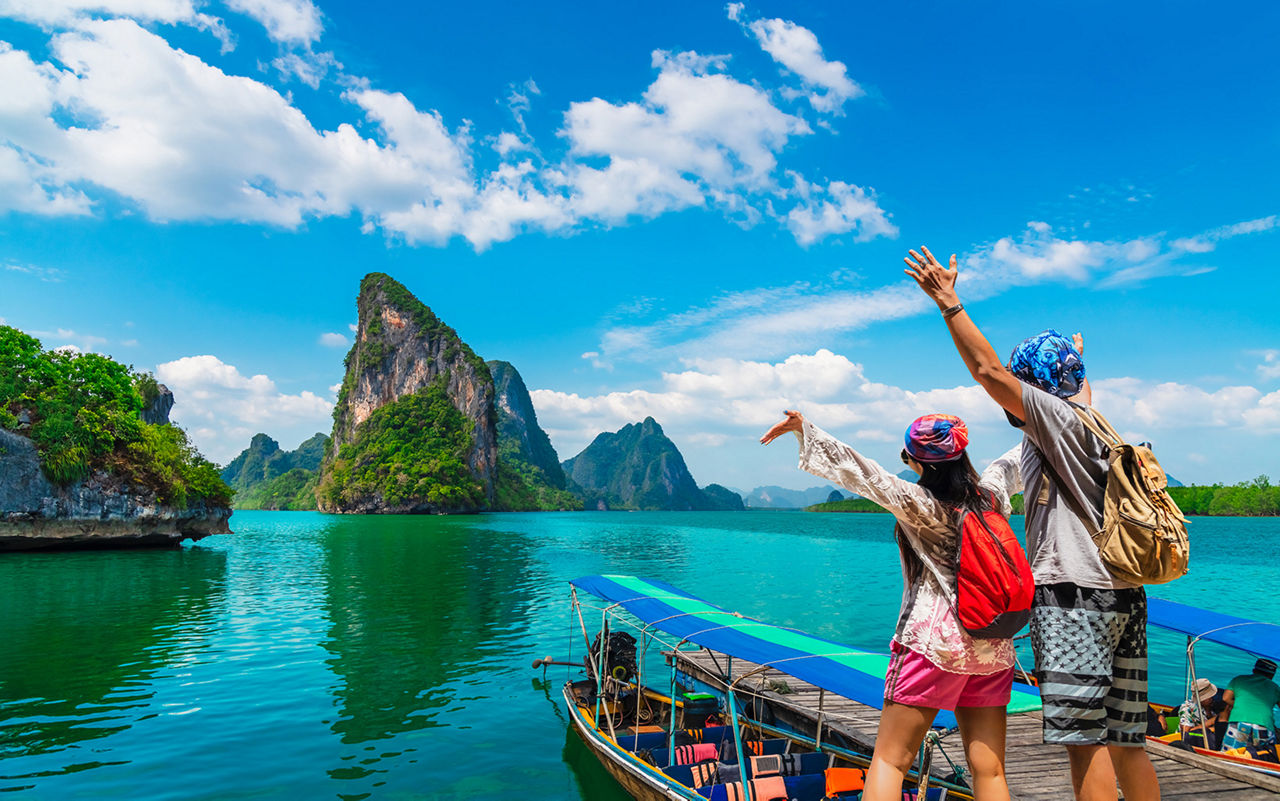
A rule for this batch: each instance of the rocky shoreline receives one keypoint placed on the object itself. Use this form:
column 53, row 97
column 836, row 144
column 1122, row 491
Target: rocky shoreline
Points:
column 101, row 511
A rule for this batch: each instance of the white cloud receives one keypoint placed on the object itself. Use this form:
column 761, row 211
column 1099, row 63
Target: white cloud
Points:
column 736, row 400
column 1207, row 241
column 62, row 12
column 221, row 408
column 796, row 48
column 715, row 410
column 836, row 209
column 770, row 321
column 331, row 340
column 47, row 274
column 308, row 67
column 288, row 21
column 1270, row 365
column 116, row 110
column 70, row 340
column 696, row 133
column 1152, row 407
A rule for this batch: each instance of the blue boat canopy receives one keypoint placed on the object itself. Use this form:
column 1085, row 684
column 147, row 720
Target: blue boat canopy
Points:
column 1251, row 636
column 836, row 667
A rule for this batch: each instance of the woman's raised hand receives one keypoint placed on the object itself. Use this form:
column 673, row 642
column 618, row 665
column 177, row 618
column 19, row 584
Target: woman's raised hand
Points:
column 1078, row 341
column 793, row 422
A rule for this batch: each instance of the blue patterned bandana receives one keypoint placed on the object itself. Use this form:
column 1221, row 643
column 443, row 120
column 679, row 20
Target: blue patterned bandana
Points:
column 1049, row 361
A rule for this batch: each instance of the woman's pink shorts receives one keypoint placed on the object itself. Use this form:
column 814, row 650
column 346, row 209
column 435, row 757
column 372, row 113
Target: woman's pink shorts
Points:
column 915, row 681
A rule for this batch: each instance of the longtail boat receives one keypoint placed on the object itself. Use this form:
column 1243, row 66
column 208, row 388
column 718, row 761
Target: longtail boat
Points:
column 1251, row 636
column 668, row 735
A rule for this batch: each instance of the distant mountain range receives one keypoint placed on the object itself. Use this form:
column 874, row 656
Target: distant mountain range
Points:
column 638, row 467
column 773, row 497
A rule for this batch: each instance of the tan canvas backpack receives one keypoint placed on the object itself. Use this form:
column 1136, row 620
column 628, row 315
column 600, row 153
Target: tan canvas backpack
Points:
column 1143, row 539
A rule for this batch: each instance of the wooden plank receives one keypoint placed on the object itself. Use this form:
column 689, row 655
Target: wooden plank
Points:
column 1036, row 771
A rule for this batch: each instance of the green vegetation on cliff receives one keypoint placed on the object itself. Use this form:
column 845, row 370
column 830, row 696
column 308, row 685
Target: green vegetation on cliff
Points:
column 292, row 491
column 1257, row 498
column 529, row 476
column 83, row 413
column 847, row 505
column 521, row 487
column 372, row 349
column 266, row 477
column 409, row 454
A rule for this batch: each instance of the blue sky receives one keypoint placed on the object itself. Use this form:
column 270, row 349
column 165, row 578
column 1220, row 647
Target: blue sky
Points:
column 695, row 212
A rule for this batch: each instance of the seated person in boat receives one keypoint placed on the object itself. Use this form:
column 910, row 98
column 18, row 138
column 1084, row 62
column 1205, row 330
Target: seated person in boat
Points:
column 1088, row 628
column 1250, row 701
column 1199, row 714
column 936, row 664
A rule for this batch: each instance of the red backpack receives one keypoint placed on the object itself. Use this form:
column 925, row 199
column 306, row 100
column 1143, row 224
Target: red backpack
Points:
column 993, row 578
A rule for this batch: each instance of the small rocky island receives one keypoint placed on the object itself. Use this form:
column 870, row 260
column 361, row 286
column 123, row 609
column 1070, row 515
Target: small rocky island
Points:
column 88, row 457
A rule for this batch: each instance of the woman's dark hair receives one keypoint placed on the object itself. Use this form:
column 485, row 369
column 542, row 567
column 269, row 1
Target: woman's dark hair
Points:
column 955, row 483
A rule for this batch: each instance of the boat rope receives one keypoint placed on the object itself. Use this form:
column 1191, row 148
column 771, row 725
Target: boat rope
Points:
column 926, row 763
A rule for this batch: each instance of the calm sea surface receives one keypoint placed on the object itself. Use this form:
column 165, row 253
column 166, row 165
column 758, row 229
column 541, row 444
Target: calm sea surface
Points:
column 309, row 656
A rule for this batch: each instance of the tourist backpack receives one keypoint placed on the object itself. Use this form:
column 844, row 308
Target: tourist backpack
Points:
column 1143, row 539
column 994, row 585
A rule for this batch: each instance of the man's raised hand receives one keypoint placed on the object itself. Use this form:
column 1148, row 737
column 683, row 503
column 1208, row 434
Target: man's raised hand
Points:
column 938, row 282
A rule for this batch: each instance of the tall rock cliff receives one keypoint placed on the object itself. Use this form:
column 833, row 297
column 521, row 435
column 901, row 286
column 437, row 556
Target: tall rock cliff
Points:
column 529, row 473
column 414, row 429
column 636, row 467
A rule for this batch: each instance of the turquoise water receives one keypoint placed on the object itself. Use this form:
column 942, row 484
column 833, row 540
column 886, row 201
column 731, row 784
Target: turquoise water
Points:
column 309, row 656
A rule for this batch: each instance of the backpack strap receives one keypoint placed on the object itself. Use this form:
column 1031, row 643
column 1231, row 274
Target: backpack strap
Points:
column 1098, row 425
column 1073, row 503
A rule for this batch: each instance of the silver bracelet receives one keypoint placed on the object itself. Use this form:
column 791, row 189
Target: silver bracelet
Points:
column 952, row 311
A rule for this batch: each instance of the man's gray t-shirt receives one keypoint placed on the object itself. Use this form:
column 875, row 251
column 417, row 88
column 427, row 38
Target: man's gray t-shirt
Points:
column 1059, row 546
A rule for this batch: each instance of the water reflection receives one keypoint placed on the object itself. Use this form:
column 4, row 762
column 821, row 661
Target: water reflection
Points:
column 593, row 781
column 421, row 611
column 84, row 633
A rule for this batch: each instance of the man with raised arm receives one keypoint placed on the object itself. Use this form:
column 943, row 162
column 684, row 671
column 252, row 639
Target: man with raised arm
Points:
column 1088, row 629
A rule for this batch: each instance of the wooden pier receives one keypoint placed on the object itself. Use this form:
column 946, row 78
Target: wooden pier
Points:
column 1036, row 772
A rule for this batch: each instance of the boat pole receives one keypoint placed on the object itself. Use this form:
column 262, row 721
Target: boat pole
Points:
column 1191, row 690
column 737, row 742
column 817, row 743
column 671, row 734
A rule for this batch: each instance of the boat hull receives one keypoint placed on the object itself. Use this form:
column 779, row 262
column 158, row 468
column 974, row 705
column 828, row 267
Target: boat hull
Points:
column 638, row 778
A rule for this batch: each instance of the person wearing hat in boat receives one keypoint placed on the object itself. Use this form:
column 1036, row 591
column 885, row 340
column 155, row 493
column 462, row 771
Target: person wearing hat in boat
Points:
column 1250, row 700
column 1200, row 713
column 935, row 664
column 1088, row 629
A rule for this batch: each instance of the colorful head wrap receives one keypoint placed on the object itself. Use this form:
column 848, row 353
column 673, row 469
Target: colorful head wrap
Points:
column 937, row 438
column 1049, row 361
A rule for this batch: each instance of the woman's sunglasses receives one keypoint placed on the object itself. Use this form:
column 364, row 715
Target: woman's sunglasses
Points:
column 906, row 458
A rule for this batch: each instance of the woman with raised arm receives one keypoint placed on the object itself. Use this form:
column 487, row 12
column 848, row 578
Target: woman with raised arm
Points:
column 935, row 663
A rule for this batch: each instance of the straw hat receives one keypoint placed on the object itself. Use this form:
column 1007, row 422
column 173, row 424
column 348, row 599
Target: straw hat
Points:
column 1205, row 689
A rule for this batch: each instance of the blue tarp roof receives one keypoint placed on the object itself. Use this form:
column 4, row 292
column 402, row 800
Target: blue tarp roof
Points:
column 1252, row 636
column 836, row 667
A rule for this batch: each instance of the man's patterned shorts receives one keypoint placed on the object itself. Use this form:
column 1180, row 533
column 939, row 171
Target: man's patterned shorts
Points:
column 1091, row 663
